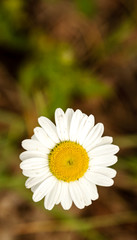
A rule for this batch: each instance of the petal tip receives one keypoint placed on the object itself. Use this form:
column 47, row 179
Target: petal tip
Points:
column 23, row 143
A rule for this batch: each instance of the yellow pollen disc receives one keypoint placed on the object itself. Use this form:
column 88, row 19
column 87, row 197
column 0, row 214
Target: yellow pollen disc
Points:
column 68, row 161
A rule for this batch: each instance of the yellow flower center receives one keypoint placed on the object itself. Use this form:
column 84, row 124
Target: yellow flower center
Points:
column 68, row 161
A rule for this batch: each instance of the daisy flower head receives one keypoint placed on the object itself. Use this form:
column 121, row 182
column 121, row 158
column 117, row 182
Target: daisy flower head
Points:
column 65, row 162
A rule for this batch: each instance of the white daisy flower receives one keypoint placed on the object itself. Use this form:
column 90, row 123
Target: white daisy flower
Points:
column 65, row 162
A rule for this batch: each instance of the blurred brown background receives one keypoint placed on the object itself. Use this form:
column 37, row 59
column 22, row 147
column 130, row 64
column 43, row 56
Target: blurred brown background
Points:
column 79, row 54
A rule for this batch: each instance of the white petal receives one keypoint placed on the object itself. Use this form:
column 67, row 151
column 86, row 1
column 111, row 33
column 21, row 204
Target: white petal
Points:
column 32, row 154
column 52, row 196
column 76, row 194
column 33, row 189
column 99, row 142
column 43, row 138
column 85, row 191
column 86, row 128
column 103, row 161
column 34, row 163
column 94, row 191
column 33, row 137
column 75, row 122
column 49, row 128
column 90, row 188
column 81, row 126
column 35, row 172
column 94, row 134
column 61, row 123
column 30, row 144
column 105, row 140
column 69, row 113
column 45, row 187
column 32, row 181
column 59, row 196
column 65, row 198
column 99, row 179
column 108, row 172
column 104, row 150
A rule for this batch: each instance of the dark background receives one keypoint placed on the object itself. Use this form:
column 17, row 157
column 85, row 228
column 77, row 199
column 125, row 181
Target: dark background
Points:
column 79, row 54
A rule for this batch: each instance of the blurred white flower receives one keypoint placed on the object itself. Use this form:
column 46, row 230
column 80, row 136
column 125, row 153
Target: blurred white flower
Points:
column 64, row 163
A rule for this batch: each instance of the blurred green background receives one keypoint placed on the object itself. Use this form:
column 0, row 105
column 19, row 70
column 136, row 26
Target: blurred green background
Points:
column 79, row 54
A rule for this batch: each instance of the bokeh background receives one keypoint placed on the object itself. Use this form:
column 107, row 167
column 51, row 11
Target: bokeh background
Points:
column 80, row 54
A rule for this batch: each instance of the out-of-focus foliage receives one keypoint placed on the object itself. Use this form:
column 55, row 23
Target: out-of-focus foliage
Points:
column 12, row 22
column 52, row 72
column 87, row 7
